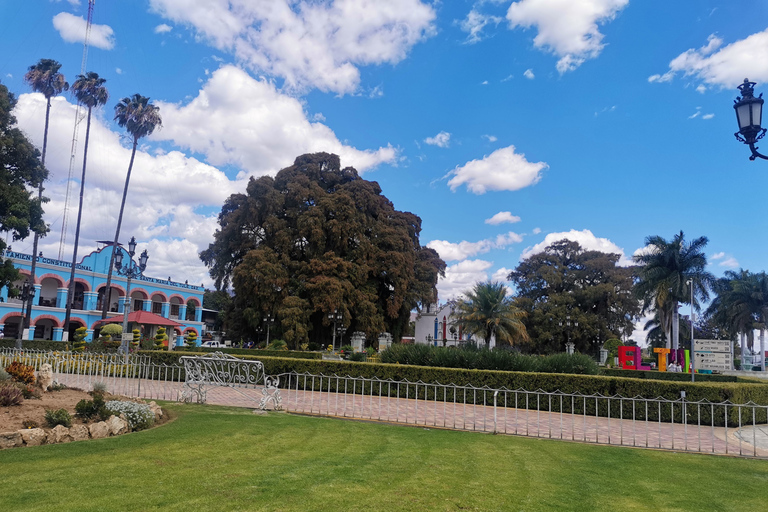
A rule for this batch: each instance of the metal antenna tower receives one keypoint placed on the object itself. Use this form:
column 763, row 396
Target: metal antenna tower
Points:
column 79, row 116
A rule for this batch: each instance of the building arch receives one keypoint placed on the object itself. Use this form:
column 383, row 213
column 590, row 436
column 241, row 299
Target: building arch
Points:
column 56, row 321
column 141, row 291
column 114, row 286
column 196, row 302
column 159, row 295
column 86, row 284
column 177, row 297
column 190, row 329
column 55, row 277
column 10, row 315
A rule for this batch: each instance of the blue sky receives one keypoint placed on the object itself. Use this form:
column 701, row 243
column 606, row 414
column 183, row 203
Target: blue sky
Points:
column 503, row 125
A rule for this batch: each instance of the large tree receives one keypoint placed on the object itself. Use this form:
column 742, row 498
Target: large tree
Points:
column 314, row 239
column 667, row 271
column 20, row 170
column 140, row 118
column 488, row 311
column 569, row 292
column 90, row 92
column 43, row 77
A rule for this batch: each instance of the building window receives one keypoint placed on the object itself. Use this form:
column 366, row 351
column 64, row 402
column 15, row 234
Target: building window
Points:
column 157, row 308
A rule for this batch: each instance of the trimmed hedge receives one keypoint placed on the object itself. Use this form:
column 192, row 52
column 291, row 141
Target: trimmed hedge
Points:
column 645, row 374
column 606, row 386
column 290, row 354
column 54, row 345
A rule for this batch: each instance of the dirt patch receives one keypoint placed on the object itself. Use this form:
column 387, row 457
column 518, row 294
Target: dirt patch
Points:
column 12, row 417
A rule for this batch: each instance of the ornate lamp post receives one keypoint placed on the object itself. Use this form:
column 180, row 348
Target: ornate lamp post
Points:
column 26, row 292
column 335, row 317
column 131, row 271
column 269, row 319
column 568, row 345
column 749, row 113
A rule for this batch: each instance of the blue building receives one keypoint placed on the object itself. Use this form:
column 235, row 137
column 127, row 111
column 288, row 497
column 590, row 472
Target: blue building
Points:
column 181, row 302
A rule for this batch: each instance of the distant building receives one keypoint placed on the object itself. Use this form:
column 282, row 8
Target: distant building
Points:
column 436, row 323
column 181, row 302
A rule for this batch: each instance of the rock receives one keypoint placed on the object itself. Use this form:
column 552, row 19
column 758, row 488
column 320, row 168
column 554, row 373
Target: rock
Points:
column 10, row 440
column 59, row 434
column 79, row 433
column 156, row 410
column 99, row 430
column 117, row 425
column 33, row 436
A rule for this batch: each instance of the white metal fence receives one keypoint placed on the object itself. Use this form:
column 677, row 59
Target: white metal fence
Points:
column 679, row 424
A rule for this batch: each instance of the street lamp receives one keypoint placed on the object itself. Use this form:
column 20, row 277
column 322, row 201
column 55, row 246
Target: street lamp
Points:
column 749, row 113
column 269, row 319
column 568, row 345
column 130, row 271
column 335, row 317
column 25, row 296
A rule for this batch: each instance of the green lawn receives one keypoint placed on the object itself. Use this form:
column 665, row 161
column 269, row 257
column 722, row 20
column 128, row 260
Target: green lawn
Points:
column 216, row 458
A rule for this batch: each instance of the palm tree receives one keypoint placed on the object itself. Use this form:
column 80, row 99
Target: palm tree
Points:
column 137, row 115
column 748, row 303
column 666, row 268
column 43, row 77
column 489, row 312
column 90, row 92
column 723, row 312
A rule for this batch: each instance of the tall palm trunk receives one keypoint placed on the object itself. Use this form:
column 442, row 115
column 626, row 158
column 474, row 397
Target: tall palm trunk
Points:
column 71, row 289
column 762, row 348
column 117, row 235
column 28, row 314
column 742, row 340
column 675, row 327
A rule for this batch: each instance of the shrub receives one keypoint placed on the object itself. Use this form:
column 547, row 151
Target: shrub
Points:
column 21, row 372
column 10, row 395
column 100, row 388
column 192, row 338
column 29, row 391
column 139, row 416
column 112, row 330
column 29, row 424
column 357, row 356
column 4, row 376
column 58, row 417
column 56, row 386
column 278, row 345
column 78, row 341
column 88, row 409
column 160, row 338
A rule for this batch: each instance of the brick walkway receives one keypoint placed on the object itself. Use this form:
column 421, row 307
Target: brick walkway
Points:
column 747, row 441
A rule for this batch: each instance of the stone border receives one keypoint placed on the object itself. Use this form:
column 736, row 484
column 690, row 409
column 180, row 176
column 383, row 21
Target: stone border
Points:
column 114, row 426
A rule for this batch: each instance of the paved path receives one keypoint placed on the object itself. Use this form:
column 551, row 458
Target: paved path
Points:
column 747, row 441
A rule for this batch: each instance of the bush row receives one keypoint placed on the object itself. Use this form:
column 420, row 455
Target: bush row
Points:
column 297, row 354
column 94, row 346
column 482, row 359
column 645, row 374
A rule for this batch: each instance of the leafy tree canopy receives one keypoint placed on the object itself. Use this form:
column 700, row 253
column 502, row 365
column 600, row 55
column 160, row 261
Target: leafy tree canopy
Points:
column 314, row 239
column 20, row 170
column 569, row 291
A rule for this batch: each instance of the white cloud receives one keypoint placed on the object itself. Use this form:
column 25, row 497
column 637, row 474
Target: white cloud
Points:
column 585, row 238
column 723, row 67
column 566, row 28
column 491, row 138
column 308, row 44
column 536, row 231
column 701, row 88
column 718, row 256
column 72, row 30
column 461, row 277
column 528, row 73
column 441, row 140
column 698, row 113
column 503, row 217
column 118, row 71
column 163, row 28
column 484, row 82
column 729, row 262
column 172, row 202
column 501, row 170
column 248, row 123
column 474, row 24
column 460, row 251
column 501, row 274
column 708, row 116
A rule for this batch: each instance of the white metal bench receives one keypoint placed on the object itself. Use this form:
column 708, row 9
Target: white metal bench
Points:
column 224, row 370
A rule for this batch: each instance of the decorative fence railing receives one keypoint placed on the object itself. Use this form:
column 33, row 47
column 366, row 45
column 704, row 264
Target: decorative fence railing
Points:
column 674, row 424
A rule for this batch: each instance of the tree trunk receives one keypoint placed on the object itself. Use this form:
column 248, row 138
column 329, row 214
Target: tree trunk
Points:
column 105, row 304
column 743, row 350
column 762, row 349
column 33, row 269
column 675, row 327
column 71, row 288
